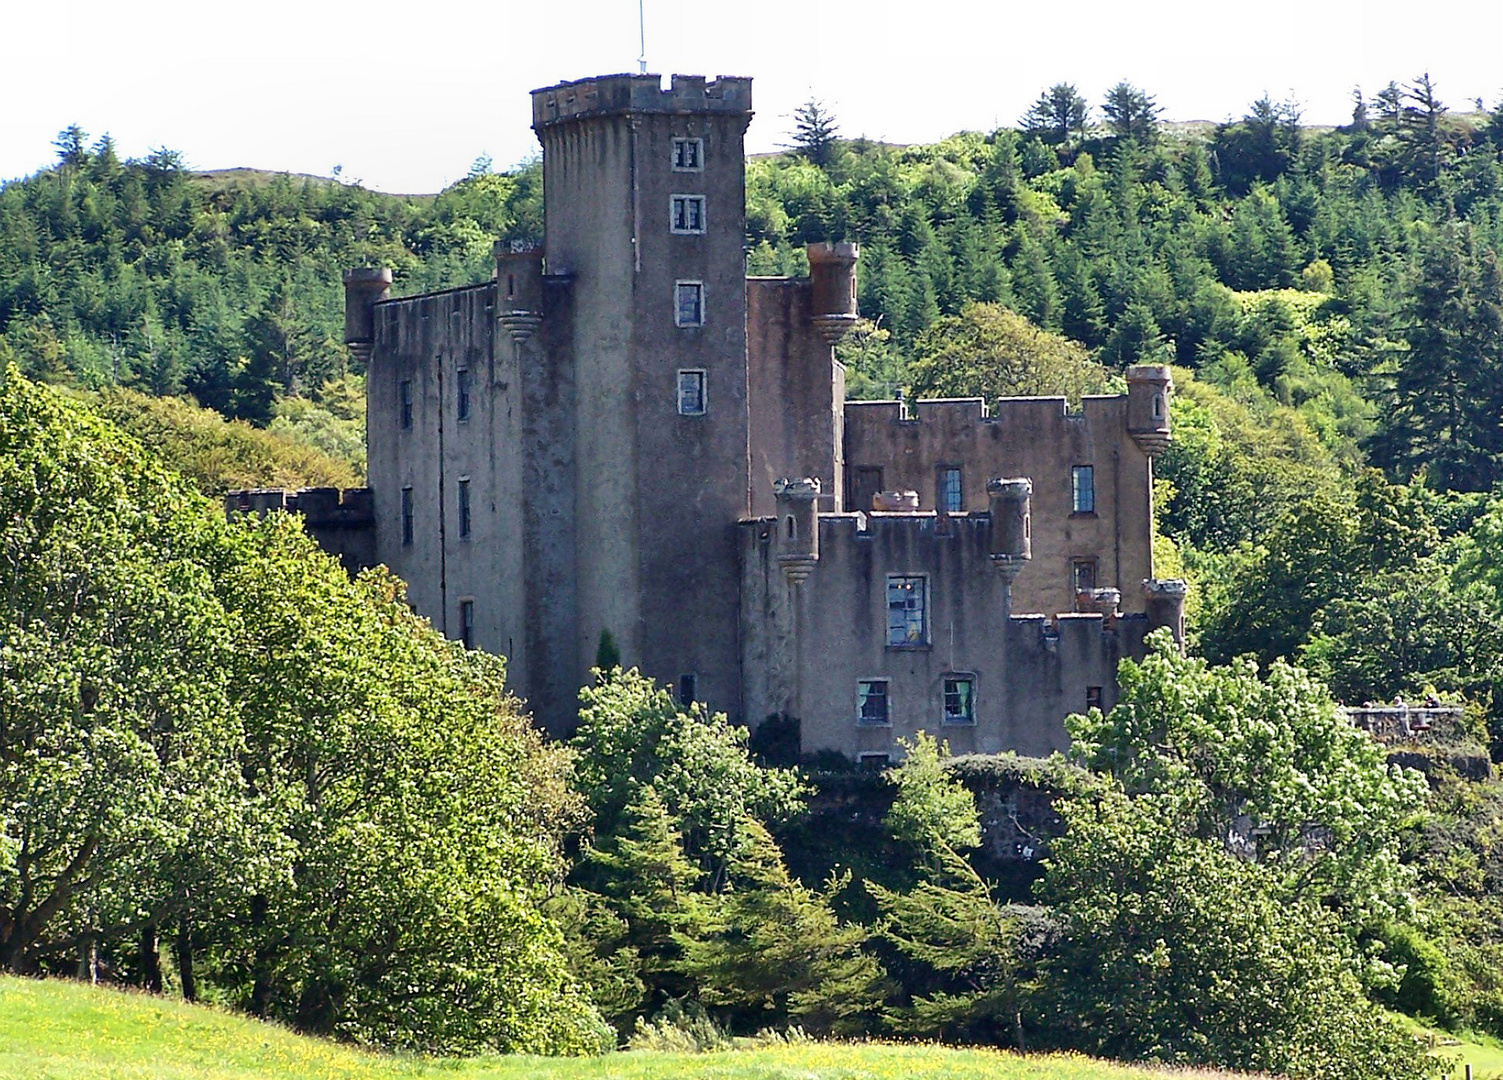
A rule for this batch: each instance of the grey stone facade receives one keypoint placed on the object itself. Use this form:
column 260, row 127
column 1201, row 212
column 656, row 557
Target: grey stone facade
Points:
column 622, row 433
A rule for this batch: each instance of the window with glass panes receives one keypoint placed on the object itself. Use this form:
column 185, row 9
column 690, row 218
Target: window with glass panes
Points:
column 951, row 499
column 906, row 599
column 871, row 701
column 960, row 699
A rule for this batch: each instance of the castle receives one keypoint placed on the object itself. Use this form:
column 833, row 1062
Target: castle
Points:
column 623, row 434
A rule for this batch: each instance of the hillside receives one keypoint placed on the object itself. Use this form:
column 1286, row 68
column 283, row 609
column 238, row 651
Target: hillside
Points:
column 57, row 1030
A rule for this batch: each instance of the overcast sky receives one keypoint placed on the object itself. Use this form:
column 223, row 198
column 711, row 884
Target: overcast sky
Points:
column 405, row 97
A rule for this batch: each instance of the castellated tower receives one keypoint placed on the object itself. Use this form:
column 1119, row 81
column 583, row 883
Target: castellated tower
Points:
column 620, row 432
column 644, row 190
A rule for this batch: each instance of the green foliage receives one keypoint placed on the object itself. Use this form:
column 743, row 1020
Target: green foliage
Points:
column 209, row 730
column 1059, row 113
column 989, row 352
column 814, row 133
column 947, row 924
column 1263, row 767
column 306, row 447
column 633, row 735
column 776, row 953
column 932, row 810
column 1175, row 949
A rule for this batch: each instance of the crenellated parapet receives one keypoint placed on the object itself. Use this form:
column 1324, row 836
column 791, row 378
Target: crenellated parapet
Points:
column 610, row 95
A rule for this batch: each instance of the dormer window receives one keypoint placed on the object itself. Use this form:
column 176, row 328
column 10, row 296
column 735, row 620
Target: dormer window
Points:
column 688, row 155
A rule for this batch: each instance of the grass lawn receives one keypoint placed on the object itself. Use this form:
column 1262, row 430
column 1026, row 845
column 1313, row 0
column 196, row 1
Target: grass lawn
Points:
column 57, row 1030
column 1482, row 1052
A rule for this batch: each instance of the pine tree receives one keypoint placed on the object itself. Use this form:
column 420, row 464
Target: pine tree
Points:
column 1130, row 113
column 1058, row 113
column 814, row 133
column 777, row 952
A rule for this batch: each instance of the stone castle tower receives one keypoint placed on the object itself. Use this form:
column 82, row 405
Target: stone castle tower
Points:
column 621, row 432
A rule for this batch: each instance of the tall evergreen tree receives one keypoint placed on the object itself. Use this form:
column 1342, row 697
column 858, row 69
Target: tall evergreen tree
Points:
column 1059, row 113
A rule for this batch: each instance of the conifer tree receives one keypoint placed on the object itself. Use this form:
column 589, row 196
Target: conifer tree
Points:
column 777, row 953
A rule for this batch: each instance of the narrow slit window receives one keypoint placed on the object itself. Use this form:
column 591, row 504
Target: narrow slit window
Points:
column 407, row 517
column 464, row 509
column 467, row 623
column 688, row 303
column 691, row 393
column 1083, row 489
column 462, row 394
column 404, row 403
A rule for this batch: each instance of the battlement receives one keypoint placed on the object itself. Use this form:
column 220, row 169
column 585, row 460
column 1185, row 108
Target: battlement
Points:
column 351, row 508
column 955, row 412
column 608, row 95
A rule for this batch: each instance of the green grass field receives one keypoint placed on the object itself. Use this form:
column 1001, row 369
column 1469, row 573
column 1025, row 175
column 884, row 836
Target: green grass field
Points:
column 57, row 1030
column 60, row 1030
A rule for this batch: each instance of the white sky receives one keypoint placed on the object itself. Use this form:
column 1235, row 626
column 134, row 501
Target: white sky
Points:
column 405, row 97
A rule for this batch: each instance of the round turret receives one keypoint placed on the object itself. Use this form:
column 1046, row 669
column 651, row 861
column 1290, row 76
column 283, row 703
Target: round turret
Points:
column 519, row 289
column 1148, row 387
column 364, row 287
column 1011, row 536
column 1166, row 605
column 832, row 278
column 797, row 525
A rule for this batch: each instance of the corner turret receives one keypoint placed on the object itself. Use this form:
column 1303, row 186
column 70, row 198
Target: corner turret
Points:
column 519, row 289
column 1011, row 537
column 364, row 287
column 797, row 525
column 1148, row 387
column 1166, row 605
column 832, row 276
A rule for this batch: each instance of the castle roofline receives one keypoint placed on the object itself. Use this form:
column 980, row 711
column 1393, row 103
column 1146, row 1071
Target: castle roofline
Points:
column 608, row 95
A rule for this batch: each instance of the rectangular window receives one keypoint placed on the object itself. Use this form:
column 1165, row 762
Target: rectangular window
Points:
column 404, row 399
column 462, row 394
column 688, row 304
column 464, row 508
column 960, row 699
column 873, row 762
column 406, row 517
column 871, row 701
column 688, row 213
column 1083, row 574
column 951, row 499
column 1083, row 490
column 467, row 623
column 906, row 624
column 688, row 155
column 1093, row 697
column 688, row 687
column 691, row 393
